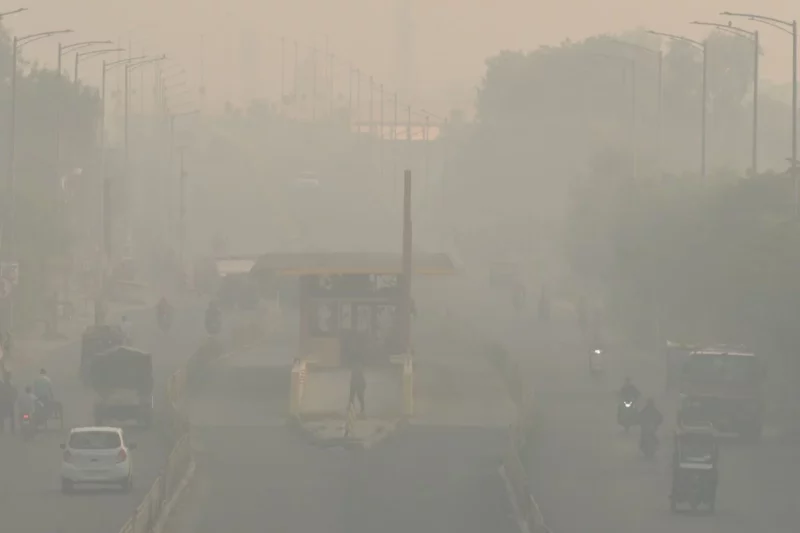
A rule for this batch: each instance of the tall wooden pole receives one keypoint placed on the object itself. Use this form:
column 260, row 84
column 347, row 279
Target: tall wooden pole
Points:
column 407, row 261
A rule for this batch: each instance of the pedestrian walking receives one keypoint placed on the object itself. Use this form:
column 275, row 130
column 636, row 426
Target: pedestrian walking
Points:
column 358, row 386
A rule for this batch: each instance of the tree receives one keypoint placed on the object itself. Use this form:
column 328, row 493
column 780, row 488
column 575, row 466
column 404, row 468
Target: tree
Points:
column 41, row 213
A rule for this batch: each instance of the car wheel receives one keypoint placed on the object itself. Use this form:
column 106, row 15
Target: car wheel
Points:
column 67, row 486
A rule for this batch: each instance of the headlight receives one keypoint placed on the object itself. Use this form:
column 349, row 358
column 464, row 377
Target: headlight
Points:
column 598, row 352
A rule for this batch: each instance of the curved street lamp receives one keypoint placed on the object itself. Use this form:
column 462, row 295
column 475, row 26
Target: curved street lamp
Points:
column 9, row 238
column 659, row 89
column 14, row 12
column 789, row 27
column 75, row 46
column 702, row 47
column 752, row 36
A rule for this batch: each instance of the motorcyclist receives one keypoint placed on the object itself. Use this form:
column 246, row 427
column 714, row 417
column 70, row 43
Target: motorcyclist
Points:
column 26, row 403
column 127, row 329
column 650, row 419
column 544, row 305
column 163, row 311
column 628, row 391
column 43, row 387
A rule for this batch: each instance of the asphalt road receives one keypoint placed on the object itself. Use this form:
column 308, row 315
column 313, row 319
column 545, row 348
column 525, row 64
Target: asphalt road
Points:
column 255, row 473
column 589, row 476
column 30, row 497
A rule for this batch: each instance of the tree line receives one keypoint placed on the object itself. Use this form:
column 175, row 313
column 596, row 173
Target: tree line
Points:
column 672, row 255
column 44, row 202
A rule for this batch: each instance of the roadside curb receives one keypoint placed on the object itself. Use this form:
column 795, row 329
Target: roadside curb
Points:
column 170, row 506
column 521, row 522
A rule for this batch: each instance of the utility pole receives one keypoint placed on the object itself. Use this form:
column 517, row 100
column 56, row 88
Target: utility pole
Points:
column 371, row 106
column 755, row 103
column 314, row 86
column 126, row 171
column 380, row 138
column 294, row 81
column 330, row 74
column 182, row 215
column 358, row 98
column 405, row 316
column 283, row 72
column 394, row 149
column 350, row 98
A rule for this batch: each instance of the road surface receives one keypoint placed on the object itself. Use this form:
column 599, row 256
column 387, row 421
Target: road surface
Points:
column 254, row 472
column 30, row 497
column 588, row 474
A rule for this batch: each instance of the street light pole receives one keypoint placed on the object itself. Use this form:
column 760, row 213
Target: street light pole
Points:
column 633, row 139
column 659, row 94
column 283, row 73
column 753, row 35
column 703, row 122
column 789, row 27
column 17, row 43
column 8, row 237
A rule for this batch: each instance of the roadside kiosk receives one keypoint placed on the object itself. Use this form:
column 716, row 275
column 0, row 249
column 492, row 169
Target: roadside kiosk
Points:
column 348, row 302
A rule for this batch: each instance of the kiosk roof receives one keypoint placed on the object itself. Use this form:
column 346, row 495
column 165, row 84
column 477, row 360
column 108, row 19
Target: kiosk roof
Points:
column 327, row 264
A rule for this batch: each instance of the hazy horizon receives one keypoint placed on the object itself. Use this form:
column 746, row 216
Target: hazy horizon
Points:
column 466, row 33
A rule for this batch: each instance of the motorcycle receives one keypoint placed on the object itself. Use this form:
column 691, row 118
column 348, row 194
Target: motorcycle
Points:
column 596, row 362
column 164, row 319
column 627, row 414
column 648, row 443
column 27, row 426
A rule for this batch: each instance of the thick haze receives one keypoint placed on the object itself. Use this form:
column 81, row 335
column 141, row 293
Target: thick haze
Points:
column 451, row 38
column 600, row 190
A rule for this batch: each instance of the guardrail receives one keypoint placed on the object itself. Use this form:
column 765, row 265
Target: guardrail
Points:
column 520, row 438
column 408, row 386
column 299, row 373
column 180, row 464
column 168, row 485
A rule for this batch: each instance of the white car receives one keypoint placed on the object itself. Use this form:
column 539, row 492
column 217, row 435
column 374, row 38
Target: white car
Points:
column 97, row 455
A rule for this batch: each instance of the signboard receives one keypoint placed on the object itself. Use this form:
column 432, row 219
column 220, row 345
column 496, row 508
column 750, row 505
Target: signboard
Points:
column 353, row 286
column 10, row 270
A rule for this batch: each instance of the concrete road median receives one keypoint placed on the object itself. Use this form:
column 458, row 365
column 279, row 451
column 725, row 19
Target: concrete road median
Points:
column 253, row 470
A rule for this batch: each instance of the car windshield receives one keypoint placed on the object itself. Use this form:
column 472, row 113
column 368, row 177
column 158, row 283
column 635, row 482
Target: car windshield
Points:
column 94, row 440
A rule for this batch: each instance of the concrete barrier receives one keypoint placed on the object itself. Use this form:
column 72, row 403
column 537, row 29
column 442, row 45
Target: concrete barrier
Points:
column 350, row 421
column 520, row 437
column 299, row 373
column 408, row 386
column 150, row 514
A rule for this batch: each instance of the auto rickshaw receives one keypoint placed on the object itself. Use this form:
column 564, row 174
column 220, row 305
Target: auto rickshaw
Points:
column 98, row 339
column 694, row 468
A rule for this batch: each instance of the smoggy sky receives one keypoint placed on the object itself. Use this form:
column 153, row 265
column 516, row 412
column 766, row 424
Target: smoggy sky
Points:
column 452, row 38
